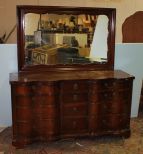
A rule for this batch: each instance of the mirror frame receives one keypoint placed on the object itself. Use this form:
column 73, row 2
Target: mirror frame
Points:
column 23, row 9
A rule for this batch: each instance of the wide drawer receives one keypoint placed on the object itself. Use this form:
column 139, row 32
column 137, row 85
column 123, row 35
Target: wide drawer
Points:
column 74, row 97
column 104, row 84
column 74, row 125
column 75, row 109
column 104, row 96
column 118, row 107
column 73, row 86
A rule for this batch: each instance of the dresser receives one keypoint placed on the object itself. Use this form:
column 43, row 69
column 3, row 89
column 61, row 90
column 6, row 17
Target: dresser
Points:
column 48, row 107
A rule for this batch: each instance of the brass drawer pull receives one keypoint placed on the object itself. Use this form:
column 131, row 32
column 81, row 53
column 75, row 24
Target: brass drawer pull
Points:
column 75, row 86
column 75, row 97
column 74, row 109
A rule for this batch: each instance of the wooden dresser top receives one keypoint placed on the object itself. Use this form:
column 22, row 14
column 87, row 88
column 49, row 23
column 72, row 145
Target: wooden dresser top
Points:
column 70, row 75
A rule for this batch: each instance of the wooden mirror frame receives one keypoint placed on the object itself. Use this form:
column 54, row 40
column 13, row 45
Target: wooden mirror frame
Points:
column 23, row 9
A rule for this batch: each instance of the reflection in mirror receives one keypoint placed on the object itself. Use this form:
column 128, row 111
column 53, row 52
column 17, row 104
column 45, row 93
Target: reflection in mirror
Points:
column 65, row 39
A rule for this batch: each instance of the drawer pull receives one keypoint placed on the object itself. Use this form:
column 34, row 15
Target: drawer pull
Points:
column 74, row 109
column 74, row 124
column 105, row 107
column 75, row 86
column 106, row 84
column 75, row 97
column 105, row 95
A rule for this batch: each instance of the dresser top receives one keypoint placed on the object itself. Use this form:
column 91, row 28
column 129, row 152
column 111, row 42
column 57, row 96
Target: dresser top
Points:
column 70, row 75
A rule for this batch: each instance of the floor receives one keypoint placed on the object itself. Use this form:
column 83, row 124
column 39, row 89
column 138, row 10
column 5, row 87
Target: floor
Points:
column 101, row 145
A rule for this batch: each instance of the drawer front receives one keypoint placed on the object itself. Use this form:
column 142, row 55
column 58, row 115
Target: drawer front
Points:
column 118, row 107
column 74, row 125
column 44, row 100
column 74, row 86
column 24, row 129
column 22, row 89
column 23, row 101
column 101, row 85
column 102, row 96
column 115, row 122
column 24, row 113
column 44, row 89
column 74, row 97
column 74, row 110
column 124, row 84
column 105, row 96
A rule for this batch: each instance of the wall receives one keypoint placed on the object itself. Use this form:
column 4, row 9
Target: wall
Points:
column 128, row 57
column 8, row 63
column 124, row 9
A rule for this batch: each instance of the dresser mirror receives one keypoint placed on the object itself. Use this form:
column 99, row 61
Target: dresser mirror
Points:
column 65, row 38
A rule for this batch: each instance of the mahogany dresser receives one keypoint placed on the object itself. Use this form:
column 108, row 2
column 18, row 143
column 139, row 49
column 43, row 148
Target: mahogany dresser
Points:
column 54, row 106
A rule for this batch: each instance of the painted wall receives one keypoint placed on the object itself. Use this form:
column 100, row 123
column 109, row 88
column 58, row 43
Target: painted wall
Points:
column 124, row 9
column 8, row 63
column 128, row 57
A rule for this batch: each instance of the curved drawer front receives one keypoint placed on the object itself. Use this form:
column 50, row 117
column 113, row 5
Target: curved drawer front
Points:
column 75, row 110
column 74, row 125
column 73, row 86
column 22, row 89
column 74, row 97
column 109, row 107
column 104, row 84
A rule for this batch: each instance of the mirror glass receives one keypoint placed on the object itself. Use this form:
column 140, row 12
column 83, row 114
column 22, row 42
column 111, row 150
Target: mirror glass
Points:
column 52, row 38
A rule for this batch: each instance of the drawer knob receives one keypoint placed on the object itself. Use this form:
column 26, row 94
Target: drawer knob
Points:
column 75, row 86
column 74, row 97
column 74, row 109
column 74, row 124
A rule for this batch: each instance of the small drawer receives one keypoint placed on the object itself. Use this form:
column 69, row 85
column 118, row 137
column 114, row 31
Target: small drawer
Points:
column 22, row 89
column 74, row 124
column 44, row 89
column 124, row 95
column 24, row 129
column 74, row 110
column 45, row 127
column 103, row 96
column 124, row 84
column 24, row 113
column 73, row 86
column 103, row 85
column 23, row 101
column 114, row 122
column 74, row 97
column 45, row 100
column 50, row 111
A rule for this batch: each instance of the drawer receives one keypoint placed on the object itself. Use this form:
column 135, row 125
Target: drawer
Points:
column 74, row 86
column 124, row 95
column 74, row 110
column 44, row 89
column 103, row 96
column 108, row 108
column 24, row 129
column 124, row 84
column 22, row 89
column 45, row 112
column 102, row 85
column 23, row 101
column 47, row 125
column 74, row 125
column 115, row 122
column 74, row 97
column 45, row 99
column 24, row 113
